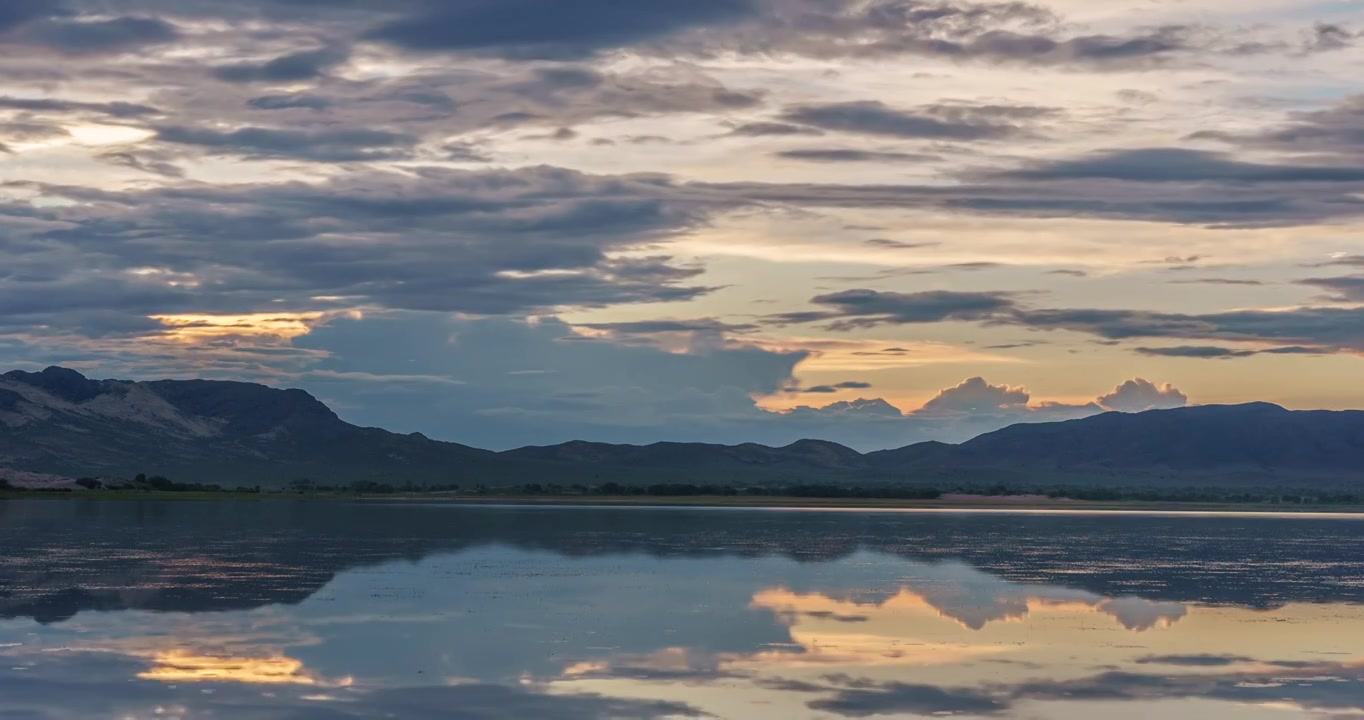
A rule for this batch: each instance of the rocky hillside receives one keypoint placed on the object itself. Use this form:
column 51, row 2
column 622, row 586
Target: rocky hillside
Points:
column 58, row 421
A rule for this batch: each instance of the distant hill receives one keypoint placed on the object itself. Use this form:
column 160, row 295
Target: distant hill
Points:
column 60, row 422
column 1255, row 440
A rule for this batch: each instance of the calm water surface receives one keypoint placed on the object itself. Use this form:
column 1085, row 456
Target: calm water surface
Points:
column 316, row 610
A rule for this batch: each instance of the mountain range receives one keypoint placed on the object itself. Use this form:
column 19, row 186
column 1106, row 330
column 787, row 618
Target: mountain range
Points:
column 60, row 422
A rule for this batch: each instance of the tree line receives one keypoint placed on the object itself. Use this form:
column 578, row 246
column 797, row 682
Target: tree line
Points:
column 305, row 486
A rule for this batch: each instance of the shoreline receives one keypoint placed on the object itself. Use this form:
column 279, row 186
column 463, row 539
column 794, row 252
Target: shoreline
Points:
column 987, row 504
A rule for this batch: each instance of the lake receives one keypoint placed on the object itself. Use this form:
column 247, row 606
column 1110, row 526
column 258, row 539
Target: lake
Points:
column 318, row 610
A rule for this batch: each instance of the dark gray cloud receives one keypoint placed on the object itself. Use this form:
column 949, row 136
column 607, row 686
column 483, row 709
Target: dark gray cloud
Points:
column 1208, row 203
column 148, row 163
column 830, row 389
column 1217, row 281
column 1206, row 352
column 90, row 37
column 849, row 155
column 865, row 699
column 1214, row 352
column 302, row 65
column 339, row 145
column 1332, row 134
column 868, row 308
column 466, row 152
column 101, row 684
column 1345, row 289
column 939, row 122
column 653, row 327
column 898, row 244
column 480, row 242
column 440, row 105
column 1322, row 327
column 290, row 102
column 1195, row 660
column 992, row 32
column 30, row 131
column 1345, row 260
column 14, row 13
column 58, row 106
column 1322, row 686
column 761, row 129
column 548, row 28
column 1177, row 165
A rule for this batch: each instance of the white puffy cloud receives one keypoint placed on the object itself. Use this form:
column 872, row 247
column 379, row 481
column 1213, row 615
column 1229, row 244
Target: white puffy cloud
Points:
column 1138, row 395
column 975, row 395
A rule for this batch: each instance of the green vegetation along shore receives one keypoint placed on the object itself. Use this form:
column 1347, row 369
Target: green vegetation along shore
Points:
column 792, row 496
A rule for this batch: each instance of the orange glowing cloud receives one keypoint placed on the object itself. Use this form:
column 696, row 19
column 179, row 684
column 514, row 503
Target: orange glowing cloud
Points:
column 190, row 328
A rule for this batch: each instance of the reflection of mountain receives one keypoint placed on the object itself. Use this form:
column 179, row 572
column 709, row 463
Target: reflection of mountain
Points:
column 62, row 557
column 974, row 599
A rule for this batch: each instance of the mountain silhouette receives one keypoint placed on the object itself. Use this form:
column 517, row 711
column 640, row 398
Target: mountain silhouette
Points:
column 60, row 422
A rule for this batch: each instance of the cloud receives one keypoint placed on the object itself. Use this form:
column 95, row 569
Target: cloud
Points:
column 441, row 106
column 548, row 28
column 898, row 244
column 986, row 32
column 1215, row 204
column 1347, row 289
column 1195, row 660
column 895, row 698
column 491, row 242
column 975, row 395
column 1331, row 134
column 60, row 106
column 830, row 389
column 939, row 122
column 14, row 13
column 147, row 163
column 1175, row 165
column 99, row 684
column 294, row 67
column 869, row 308
column 292, row 101
column 841, row 155
column 341, row 145
column 609, row 390
column 1218, row 281
column 90, row 37
column 764, row 129
column 1324, row 327
column 1196, row 351
column 1139, row 395
column 651, row 327
column 863, row 408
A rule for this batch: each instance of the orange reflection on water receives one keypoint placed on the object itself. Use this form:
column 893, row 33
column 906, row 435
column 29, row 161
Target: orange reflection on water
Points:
column 183, row 666
column 968, row 611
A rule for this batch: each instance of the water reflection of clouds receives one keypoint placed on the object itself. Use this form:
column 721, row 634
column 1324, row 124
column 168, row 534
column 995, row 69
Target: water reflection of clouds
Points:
column 587, row 614
column 81, row 686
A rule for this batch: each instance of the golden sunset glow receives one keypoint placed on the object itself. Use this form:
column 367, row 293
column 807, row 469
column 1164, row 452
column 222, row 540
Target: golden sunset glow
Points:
column 198, row 328
column 185, row 666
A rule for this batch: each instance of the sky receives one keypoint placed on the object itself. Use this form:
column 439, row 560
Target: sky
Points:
column 512, row 222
